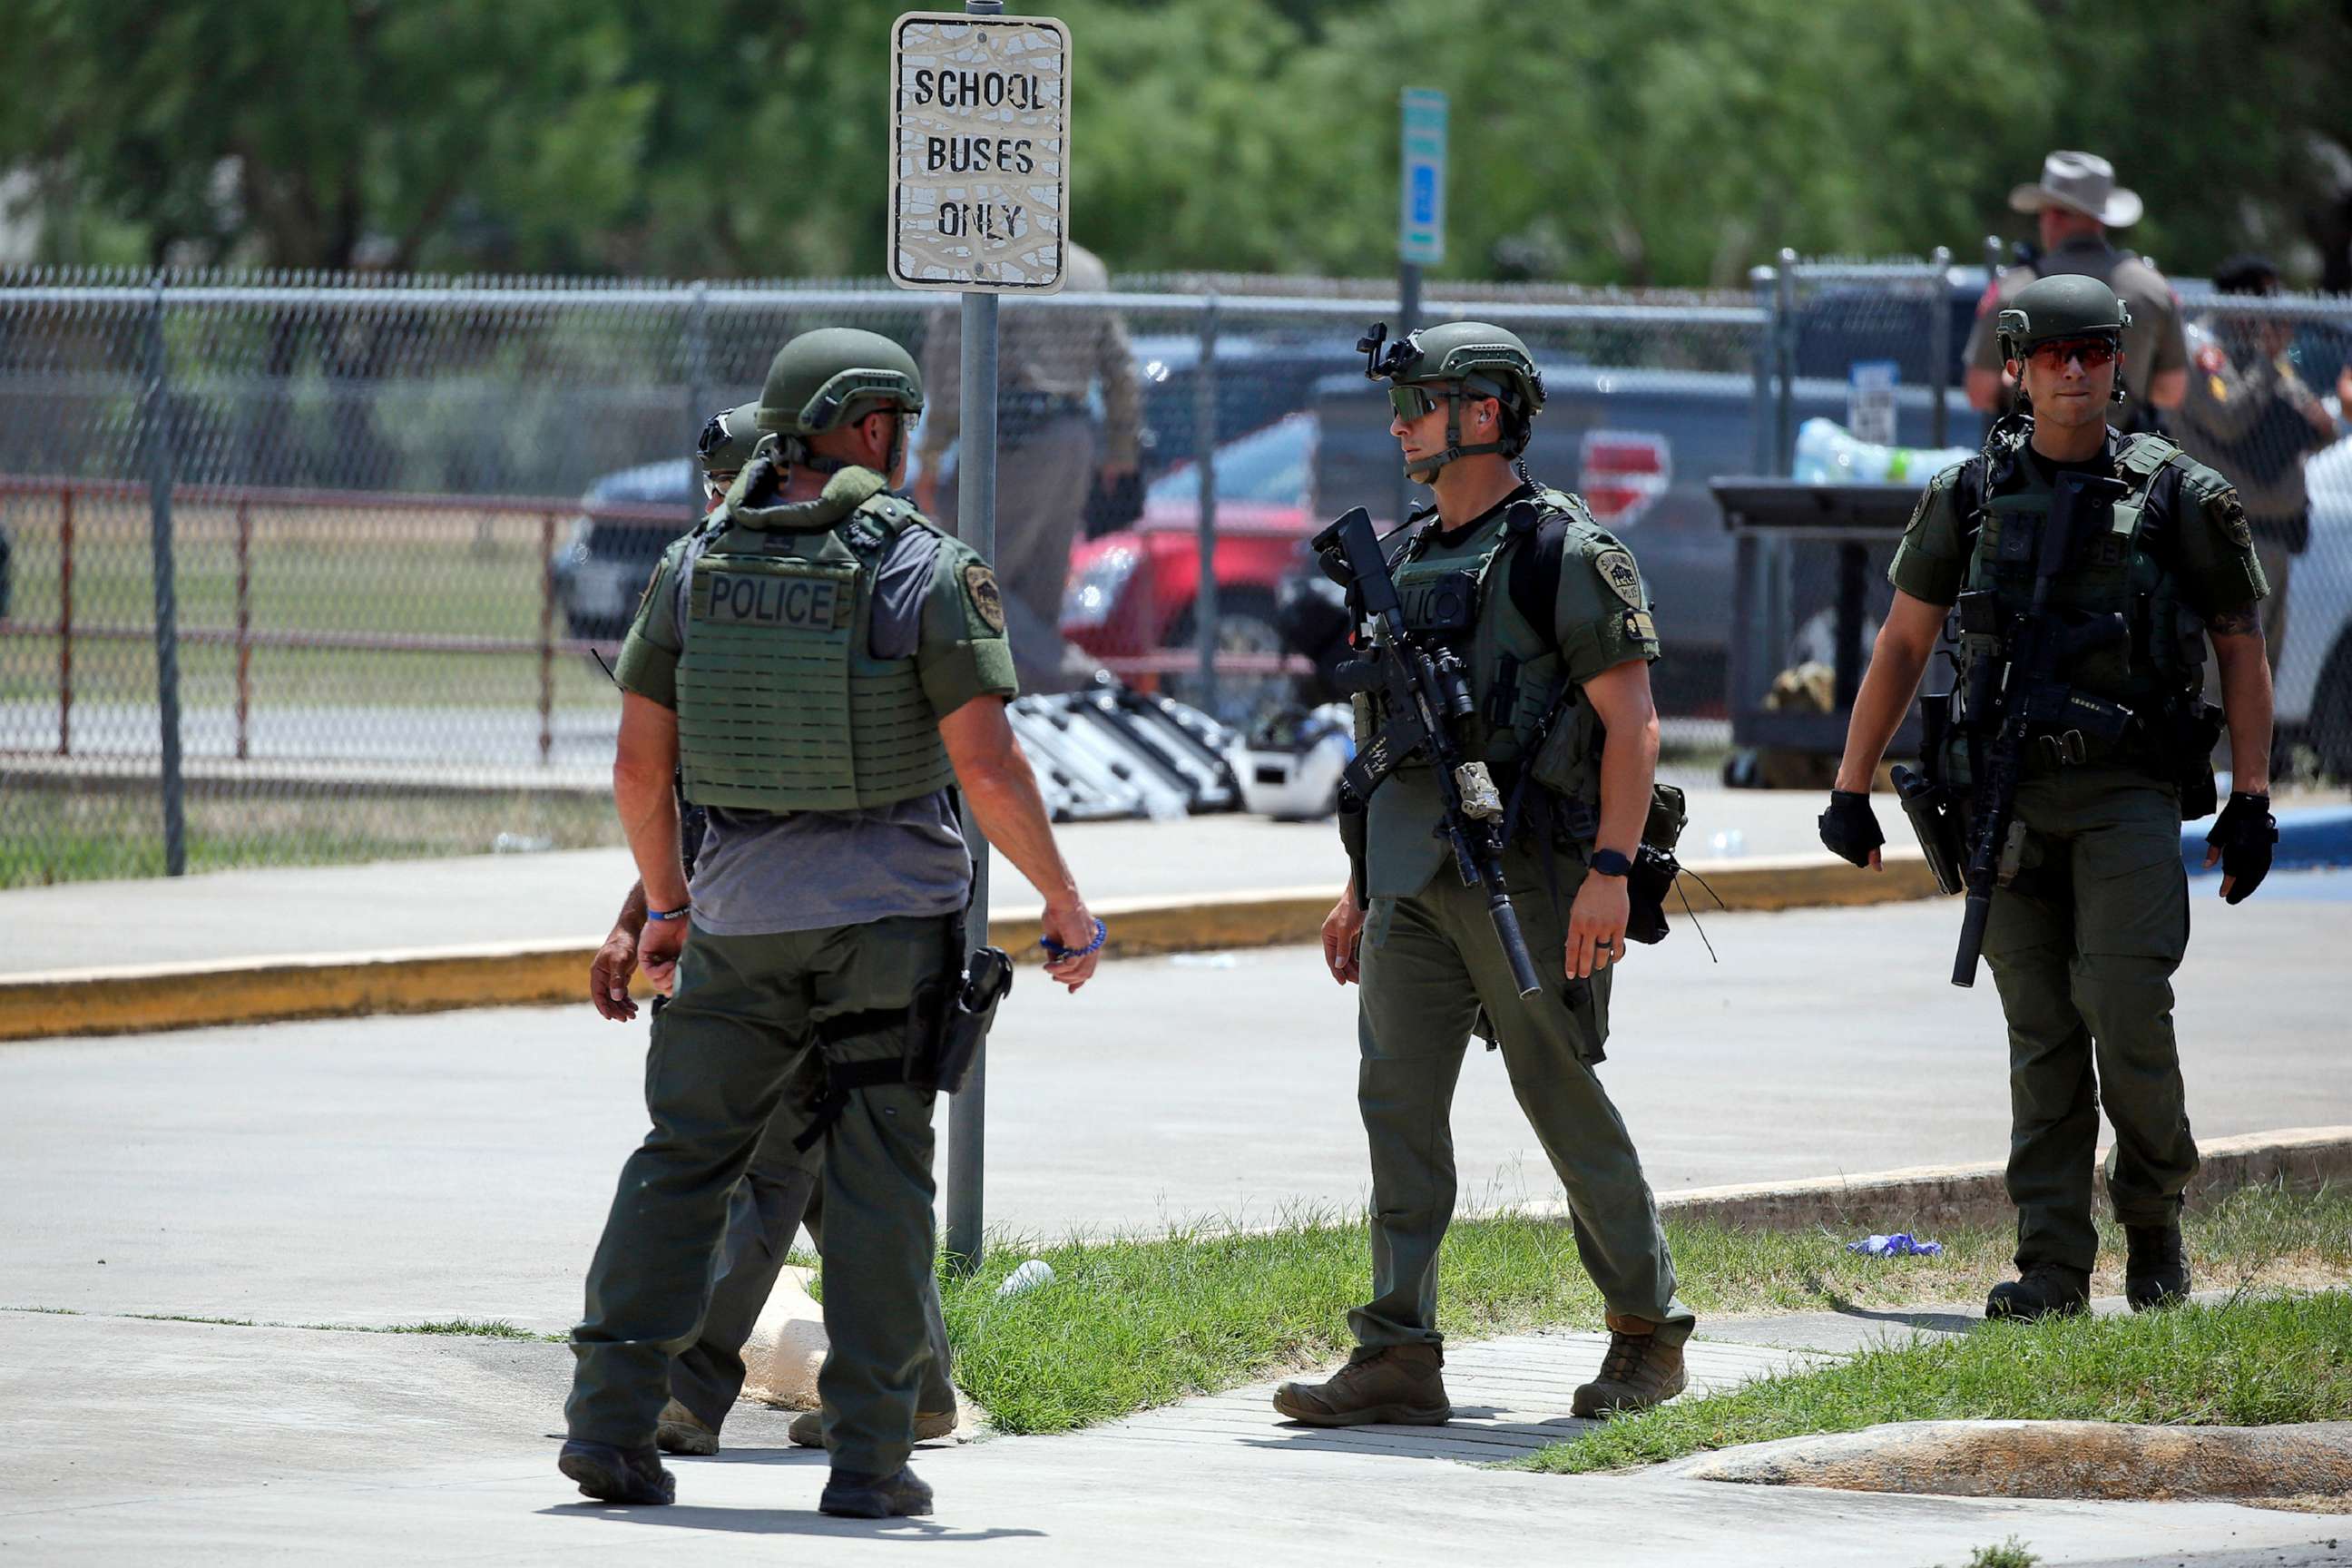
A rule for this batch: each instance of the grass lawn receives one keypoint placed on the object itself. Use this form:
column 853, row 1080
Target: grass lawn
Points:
column 1145, row 1321
column 2251, row 1363
column 52, row 835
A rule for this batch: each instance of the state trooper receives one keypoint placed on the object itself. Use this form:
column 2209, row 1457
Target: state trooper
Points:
column 2092, row 915
column 820, row 665
column 781, row 1192
column 1549, row 612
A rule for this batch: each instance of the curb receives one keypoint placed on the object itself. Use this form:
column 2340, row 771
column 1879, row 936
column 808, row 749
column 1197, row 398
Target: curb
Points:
column 2300, row 1159
column 2112, row 1461
column 135, row 999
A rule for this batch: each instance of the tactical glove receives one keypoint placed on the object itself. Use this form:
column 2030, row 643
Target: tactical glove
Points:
column 1849, row 828
column 2244, row 833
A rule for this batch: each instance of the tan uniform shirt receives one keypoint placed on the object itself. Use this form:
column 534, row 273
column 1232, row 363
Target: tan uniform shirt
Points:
column 2250, row 416
column 2152, row 342
column 1045, row 352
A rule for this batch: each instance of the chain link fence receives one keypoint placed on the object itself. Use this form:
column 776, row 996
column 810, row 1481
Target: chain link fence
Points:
column 301, row 569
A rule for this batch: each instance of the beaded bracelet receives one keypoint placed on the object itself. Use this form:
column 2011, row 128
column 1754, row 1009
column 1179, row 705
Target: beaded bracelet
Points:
column 1057, row 950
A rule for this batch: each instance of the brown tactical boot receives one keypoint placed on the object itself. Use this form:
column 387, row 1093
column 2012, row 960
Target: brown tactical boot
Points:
column 681, row 1431
column 1637, row 1373
column 808, row 1426
column 1400, row 1385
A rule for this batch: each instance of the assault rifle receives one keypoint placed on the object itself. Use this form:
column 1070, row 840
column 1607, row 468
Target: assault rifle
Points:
column 2017, row 690
column 1427, row 692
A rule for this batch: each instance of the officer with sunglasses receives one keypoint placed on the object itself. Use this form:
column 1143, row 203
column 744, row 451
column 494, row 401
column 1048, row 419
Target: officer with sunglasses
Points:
column 2092, row 915
column 1549, row 616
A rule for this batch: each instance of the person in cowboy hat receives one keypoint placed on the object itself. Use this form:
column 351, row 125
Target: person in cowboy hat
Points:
column 2075, row 204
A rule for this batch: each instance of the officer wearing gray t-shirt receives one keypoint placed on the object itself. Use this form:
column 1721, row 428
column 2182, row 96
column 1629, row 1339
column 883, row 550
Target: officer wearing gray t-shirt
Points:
column 851, row 860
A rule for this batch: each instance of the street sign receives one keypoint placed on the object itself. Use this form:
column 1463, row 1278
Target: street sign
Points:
column 1420, row 211
column 980, row 167
column 1870, row 400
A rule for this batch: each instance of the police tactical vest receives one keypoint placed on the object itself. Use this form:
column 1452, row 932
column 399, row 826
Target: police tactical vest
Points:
column 1458, row 595
column 782, row 705
column 2113, row 569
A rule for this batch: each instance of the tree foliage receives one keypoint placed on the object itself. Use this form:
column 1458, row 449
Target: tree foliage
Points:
column 1638, row 141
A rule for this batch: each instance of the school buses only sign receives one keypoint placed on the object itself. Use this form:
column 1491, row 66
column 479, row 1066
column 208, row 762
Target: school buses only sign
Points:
column 980, row 165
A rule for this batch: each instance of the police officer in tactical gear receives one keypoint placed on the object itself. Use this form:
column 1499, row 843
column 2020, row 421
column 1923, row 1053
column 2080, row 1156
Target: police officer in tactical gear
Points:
column 781, row 1192
column 2091, row 917
column 1548, row 614
column 820, row 665
column 2074, row 205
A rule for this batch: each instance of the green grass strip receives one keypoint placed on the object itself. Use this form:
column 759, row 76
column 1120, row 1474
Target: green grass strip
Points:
column 2253, row 1363
column 1142, row 1320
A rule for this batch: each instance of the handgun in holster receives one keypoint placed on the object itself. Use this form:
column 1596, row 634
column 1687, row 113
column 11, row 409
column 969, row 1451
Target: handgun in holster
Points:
column 964, row 1023
column 1933, row 810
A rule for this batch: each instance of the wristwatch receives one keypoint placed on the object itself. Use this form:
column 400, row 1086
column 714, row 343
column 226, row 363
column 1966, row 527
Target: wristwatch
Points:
column 1610, row 863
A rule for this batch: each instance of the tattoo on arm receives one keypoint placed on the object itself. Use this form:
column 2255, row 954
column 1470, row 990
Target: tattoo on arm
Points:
column 2235, row 624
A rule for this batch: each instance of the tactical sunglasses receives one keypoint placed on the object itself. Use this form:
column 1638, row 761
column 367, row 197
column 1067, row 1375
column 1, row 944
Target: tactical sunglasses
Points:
column 1411, row 402
column 2096, row 353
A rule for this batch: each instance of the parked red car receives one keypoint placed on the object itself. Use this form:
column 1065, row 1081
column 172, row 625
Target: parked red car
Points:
column 1130, row 604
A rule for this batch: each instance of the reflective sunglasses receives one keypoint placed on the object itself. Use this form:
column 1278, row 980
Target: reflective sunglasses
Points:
column 1410, row 402
column 2096, row 353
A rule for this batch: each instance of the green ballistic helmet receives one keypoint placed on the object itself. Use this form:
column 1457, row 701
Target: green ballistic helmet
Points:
column 729, row 438
column 2069, row 306
column 1476, row 359
column 815, row 380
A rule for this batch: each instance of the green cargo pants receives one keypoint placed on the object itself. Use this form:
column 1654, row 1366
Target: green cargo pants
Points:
column 1429, row 962
column 778, row 1195
column 2083, row 946
column 733, row 1042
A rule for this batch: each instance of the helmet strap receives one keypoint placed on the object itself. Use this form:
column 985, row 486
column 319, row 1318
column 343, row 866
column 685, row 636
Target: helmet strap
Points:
column 1426, row 470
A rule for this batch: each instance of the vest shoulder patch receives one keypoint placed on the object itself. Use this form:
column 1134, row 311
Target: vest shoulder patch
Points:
column 1617, row 568
column 987, row 598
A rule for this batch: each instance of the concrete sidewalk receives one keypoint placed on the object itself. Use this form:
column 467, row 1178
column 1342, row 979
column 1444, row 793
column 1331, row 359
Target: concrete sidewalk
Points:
column 573, row 895
column 427, row 935
column 192, row 1443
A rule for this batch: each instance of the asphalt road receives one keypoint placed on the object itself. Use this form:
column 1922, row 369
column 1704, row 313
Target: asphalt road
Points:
column 391, row 1170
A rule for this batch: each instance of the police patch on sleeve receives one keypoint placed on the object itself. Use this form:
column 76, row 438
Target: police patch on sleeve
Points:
column 2230, row 512
column 1624, row 579
column 987, row 599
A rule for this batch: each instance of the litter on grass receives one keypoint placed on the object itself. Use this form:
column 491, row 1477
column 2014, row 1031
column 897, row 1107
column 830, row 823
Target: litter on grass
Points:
column 1902, row 1244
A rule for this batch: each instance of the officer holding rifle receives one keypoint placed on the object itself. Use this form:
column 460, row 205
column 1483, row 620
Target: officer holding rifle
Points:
column 2083, row 572
column 1506, row 748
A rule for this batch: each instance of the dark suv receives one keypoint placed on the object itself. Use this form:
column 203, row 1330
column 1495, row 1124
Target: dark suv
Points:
column 626, row 519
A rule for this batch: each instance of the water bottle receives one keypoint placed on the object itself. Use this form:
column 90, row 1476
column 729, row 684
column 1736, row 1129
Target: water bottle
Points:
column 1026, row 1277
column 1828, row 455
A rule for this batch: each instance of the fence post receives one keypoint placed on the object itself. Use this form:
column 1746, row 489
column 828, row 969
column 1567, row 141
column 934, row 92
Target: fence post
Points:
column 1408, row 318
column 167, row 609
column 1761, row 282
column 546, row 637
column 1205, row 614
column 1784, row 324
column 1939, row 347
column 697, row 374
column 244, row 630
column 64, row 620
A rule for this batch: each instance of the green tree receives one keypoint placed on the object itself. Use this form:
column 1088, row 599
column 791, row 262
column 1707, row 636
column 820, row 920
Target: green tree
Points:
column 325, row 133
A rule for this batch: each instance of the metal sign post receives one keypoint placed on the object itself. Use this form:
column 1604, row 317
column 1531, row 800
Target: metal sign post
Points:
column 979, row 191
column 167, row 603
column 1421, row 218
